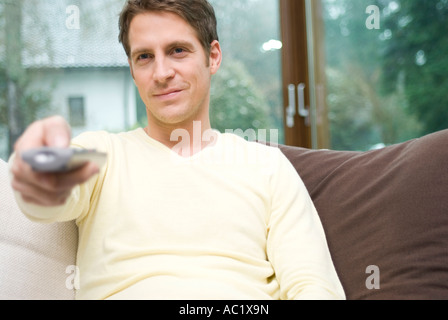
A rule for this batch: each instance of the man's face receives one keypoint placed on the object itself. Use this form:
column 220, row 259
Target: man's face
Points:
column 171, row 69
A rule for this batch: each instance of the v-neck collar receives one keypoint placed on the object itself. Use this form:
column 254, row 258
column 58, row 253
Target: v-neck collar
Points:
column 169, row 151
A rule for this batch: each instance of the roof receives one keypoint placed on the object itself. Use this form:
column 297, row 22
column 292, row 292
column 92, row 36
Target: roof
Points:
column 72, row 34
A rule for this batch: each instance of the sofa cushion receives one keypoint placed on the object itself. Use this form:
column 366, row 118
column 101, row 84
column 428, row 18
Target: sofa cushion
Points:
column 36, row 261
column 387, row 209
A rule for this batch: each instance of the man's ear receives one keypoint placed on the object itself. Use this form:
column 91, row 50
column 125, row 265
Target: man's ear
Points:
column 215, row 57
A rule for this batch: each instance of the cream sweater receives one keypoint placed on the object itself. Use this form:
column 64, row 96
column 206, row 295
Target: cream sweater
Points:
column 234, row 222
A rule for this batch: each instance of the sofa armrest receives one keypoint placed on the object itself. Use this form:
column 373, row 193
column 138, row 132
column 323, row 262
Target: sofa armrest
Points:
column 34, row 258
column 385, row 208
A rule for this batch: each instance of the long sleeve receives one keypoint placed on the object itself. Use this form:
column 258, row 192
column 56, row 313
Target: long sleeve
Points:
column 77, row 205
column 71, row 210
column 297, row 246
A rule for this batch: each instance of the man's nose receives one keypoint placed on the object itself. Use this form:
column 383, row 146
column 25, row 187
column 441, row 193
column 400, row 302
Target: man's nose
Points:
column 163, row 70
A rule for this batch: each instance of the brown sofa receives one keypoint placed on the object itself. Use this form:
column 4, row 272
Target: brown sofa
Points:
column 385, row 213
column 386, row 208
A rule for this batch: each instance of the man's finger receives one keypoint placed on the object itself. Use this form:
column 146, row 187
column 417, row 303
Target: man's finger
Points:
column 53, row 132
column 56, row 132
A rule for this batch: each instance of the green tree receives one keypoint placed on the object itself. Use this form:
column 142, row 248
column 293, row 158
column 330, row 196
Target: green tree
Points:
column 361, row 113
column 416, row 51
column 244, row 26
column 236, row 101
column 19, row 103
column 13, row 70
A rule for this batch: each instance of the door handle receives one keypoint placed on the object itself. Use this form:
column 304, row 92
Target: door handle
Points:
column 303, row 111
column 291, row 110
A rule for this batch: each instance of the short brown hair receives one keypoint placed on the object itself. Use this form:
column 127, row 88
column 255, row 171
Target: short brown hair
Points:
column 198, row 13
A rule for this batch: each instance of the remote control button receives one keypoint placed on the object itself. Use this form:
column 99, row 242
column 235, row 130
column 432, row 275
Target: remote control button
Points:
column 45, row 157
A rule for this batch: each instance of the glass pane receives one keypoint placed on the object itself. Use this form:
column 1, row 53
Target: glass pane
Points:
column 386, row 67
column 54, row 50
column 247, row 91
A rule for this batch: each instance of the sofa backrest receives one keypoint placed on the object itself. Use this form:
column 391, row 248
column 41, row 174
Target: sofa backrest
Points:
column 385, row 213
column 36, row 261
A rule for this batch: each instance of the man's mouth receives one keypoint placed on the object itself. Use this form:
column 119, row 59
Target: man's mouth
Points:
column 168, row 93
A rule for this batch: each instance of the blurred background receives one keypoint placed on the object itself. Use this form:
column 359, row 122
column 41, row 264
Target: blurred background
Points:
column 368, row 73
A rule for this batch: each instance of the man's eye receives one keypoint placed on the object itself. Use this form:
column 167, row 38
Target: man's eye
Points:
column 179, row 51
column 143, row 56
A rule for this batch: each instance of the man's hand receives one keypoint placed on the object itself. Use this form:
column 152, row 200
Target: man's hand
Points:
column 46, row 189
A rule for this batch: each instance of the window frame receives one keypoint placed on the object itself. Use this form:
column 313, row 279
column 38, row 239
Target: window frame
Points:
column 303, row 59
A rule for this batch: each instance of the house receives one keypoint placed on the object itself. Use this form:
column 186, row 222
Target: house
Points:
column 72, row 52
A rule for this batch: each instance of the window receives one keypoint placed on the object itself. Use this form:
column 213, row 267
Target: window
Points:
column 380, row 70
column 76, row 111
column 366, row 73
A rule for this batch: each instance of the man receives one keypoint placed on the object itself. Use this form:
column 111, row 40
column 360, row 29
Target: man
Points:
column 204, row 218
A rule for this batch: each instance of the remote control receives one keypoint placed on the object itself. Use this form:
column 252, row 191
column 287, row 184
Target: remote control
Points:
column 57, row 160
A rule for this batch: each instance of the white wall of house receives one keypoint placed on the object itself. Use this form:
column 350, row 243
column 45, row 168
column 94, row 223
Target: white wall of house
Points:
column 109, row 96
